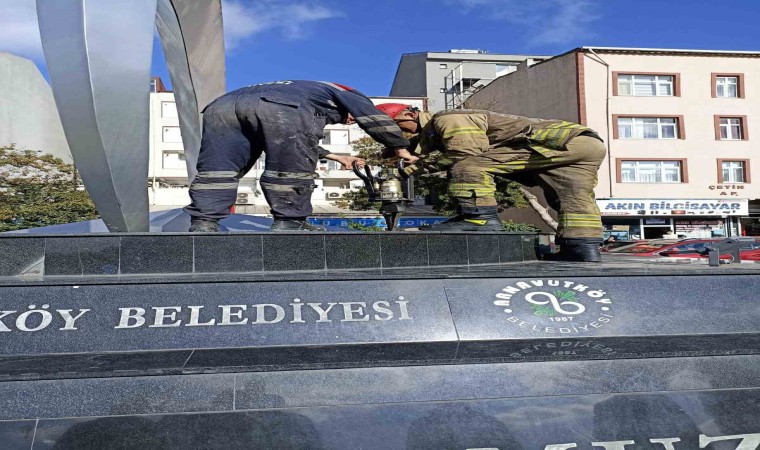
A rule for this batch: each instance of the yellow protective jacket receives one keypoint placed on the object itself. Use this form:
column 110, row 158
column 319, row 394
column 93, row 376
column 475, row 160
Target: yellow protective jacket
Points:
column 449, row 136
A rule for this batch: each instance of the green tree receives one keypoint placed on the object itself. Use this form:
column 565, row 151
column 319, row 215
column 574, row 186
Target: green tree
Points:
column 357, row 201
column 37, row 190
column 508, row 193
column 369, row 150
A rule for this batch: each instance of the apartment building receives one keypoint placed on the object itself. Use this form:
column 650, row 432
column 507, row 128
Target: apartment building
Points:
column 446, row 79
column 168, row 171
column 681, row 127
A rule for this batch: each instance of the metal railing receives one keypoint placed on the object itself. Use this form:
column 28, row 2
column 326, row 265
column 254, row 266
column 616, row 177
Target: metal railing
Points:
column 459, row 87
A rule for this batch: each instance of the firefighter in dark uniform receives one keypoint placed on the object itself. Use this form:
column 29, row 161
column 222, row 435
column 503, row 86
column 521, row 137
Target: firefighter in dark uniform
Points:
column 285, row 120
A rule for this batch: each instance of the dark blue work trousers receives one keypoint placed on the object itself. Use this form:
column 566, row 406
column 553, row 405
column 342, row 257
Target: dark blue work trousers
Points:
column 236, row 130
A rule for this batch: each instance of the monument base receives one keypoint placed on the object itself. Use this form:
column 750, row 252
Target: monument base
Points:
column 374, row 341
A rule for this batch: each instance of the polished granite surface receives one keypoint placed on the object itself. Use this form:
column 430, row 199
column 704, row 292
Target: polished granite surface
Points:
column 715, row 420
column 609, row 267
column 370, row 385
column 197, row 253
column 86, row 330
column 439, row 341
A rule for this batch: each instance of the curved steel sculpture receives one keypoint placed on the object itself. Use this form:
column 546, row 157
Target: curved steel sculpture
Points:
column 98, row 54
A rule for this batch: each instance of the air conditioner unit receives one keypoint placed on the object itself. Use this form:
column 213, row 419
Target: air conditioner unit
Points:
column 333, row 195
column 244, row 199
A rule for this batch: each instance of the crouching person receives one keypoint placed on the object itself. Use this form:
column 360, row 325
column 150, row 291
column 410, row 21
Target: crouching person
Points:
column 474, row 146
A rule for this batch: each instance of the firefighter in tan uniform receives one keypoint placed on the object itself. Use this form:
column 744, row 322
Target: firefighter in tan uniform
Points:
column 474, row 146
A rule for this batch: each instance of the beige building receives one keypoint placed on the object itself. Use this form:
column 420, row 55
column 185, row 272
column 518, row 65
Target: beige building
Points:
column 682, row 129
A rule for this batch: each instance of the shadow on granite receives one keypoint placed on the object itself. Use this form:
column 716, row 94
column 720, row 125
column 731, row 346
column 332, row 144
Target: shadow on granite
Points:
column 699, row 419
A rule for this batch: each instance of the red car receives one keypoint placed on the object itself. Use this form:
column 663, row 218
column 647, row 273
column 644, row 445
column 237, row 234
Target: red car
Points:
column 645, row 248
column 690, row 248
column 749, row 252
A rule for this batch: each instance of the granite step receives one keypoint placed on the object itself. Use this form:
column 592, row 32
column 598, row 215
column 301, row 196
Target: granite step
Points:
column 670, row 403
column 198, row 253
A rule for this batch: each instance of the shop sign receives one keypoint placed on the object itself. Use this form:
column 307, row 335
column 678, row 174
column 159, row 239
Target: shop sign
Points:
column 727, row 189
column 674, row 207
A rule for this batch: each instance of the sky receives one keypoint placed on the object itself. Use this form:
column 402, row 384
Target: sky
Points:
column 360, row 42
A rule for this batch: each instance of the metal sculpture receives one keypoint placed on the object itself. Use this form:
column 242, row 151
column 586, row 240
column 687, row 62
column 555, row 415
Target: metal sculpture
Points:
column 98, row 54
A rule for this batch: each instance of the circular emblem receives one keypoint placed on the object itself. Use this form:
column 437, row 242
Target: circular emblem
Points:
column 555, row 306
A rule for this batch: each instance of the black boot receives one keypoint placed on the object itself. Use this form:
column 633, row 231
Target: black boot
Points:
column 578, row 250
column 297, row 224
column 204, row 226
column 482, row 218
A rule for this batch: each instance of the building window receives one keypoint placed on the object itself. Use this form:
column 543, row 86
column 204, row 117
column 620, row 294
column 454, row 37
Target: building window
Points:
column 173, row 160
column 335, row 137
column 169, row 110
column 731, row 128
column 648, row 128
column 733, row 171
column 339, row 137
column 728, row 85
column 334, row 165
column 667, row 171
column 171, row 134
column 645, row 85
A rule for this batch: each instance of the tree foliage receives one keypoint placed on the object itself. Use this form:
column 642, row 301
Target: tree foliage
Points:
column 37, row 190
column 369, row 150
column 357, row 201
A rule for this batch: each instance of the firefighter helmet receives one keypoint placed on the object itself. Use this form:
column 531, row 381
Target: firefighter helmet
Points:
column 392, row 109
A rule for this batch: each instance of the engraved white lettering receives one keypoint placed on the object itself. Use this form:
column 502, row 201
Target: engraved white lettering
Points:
column 748, row 441
column 162, row 315
column 613, row 445
column 228, row 314
column 667, row 443
column 44, row 318
column 404, row 311
column 317, row 307
column 195, row 317
column 70, row 321
column 127, row 314
column 261, row 313
column 349, row 312
column 382, row 308
column 3, row 314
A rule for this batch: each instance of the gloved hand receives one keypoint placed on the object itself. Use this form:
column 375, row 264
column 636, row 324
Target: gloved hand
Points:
column 411, row 169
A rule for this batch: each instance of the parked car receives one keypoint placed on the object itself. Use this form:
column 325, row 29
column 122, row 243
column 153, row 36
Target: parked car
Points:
column 689, row 248
column 617, row 244
column 644, row 248
column 749, row 252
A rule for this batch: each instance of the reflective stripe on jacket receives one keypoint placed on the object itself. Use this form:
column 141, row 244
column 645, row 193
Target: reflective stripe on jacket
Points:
column 471, row 132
